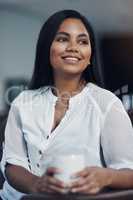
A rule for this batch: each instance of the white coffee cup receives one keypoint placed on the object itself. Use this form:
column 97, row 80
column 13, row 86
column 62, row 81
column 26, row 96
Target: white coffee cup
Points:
column 68, row 164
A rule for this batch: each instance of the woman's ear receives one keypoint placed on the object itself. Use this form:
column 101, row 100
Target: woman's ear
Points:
column 89, row 63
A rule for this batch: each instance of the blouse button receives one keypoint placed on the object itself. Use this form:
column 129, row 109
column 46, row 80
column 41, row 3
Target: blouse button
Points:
column 40, row 152
column 38, row 165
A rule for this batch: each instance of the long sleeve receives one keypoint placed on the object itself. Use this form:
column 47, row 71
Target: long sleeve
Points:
column 117, row 137
column 14, row 151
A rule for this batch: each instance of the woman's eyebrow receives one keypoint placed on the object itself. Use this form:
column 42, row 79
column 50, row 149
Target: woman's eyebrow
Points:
column 62, row 33
column 67, row 34
column 83, row 35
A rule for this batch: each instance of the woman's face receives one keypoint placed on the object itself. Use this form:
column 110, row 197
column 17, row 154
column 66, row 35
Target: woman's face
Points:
column 70, row 51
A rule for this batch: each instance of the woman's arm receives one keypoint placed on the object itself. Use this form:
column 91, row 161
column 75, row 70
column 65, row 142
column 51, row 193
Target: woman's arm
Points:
column 26, row 182
column 121, row 179
column 21, row 179
column 15, row 164
column 93, row 179
column 117, row 146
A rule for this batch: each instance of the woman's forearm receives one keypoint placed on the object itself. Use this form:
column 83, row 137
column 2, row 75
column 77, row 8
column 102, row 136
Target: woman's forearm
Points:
column 122, row 179
column 21, row 179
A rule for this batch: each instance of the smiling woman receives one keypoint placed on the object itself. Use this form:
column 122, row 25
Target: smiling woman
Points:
column 70, row 51
column 65, row 110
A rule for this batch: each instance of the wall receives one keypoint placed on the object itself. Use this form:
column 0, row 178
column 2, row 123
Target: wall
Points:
column 18, row 36
column 20, row 22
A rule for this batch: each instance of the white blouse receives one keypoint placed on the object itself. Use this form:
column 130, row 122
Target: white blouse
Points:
column 95, row 117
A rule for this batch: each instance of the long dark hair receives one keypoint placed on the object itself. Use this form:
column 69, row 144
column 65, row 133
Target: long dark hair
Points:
column 43, row 74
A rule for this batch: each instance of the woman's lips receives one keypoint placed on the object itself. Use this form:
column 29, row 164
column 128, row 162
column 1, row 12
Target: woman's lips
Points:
column 71, row 60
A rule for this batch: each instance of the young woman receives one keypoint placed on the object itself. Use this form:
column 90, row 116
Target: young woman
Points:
column 62, row 109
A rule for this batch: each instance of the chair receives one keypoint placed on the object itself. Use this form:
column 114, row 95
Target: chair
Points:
column 130, row 113
column 3, row 120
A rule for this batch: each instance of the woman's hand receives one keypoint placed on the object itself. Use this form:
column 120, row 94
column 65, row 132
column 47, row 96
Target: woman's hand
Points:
column 91, row 180
column 48, row 183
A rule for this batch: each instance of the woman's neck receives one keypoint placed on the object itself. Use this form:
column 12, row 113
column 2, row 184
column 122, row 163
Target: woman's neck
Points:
column 68, row 88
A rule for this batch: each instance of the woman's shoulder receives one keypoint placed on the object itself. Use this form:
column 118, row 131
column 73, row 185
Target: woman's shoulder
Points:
column 28, row 96
column 95, row 89
column 102, row 97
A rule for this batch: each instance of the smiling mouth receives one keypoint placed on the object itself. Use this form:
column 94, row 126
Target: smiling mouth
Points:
column 71, row 60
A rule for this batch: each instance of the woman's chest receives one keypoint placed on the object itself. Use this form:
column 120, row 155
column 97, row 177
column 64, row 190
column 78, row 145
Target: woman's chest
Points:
column 77, row 128
column 79, row 123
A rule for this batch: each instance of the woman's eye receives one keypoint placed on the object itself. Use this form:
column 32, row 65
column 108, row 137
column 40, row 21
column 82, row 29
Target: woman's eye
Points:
column 62, row 39
column 84, row 42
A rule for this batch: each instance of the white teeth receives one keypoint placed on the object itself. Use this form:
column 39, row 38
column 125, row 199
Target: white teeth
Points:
column 71, row 58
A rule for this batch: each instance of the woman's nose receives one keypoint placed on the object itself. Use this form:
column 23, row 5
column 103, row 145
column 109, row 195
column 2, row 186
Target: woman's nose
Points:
column 72, row 46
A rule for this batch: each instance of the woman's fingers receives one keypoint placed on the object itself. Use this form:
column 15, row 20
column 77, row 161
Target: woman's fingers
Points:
column 82, row 173
column 84, row 178
column 86, row 182
column 43, row 188
column 87, row 171
column 56, row 182
column 52, row 170
column 51, row 184
column 94, row 190
column 87, row 188
column 78, row 183
column 90, row 180
column 58, row 189
column 81, row 182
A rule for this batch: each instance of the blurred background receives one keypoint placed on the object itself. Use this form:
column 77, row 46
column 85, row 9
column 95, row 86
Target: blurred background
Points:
column 20, row 23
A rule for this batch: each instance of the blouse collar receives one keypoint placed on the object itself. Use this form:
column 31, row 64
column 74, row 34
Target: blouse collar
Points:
column 74, row 99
